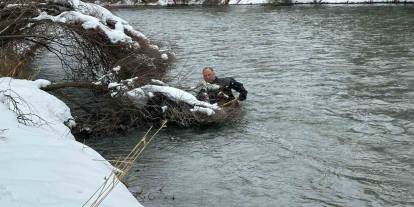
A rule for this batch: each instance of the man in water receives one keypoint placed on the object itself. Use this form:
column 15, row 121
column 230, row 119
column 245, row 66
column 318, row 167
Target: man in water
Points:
column 218, row 90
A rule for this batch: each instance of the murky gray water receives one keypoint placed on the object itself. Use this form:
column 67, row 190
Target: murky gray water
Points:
column 329, row 119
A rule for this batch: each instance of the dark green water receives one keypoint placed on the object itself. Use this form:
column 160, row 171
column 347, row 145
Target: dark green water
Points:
column 329, row 119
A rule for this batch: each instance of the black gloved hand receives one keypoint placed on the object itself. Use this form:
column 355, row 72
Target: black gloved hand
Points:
column 242, row 97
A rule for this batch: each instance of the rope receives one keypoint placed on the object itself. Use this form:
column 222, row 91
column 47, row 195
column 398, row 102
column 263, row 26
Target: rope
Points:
column 230, row 102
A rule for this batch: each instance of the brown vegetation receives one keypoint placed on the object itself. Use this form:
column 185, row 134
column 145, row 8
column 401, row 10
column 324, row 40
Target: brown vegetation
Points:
column 85, row 55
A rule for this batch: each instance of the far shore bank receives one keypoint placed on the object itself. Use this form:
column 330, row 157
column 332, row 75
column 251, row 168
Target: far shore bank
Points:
column 305, row 2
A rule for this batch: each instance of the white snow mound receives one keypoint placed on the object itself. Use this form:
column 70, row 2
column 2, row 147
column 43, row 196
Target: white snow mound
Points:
column 41, row 163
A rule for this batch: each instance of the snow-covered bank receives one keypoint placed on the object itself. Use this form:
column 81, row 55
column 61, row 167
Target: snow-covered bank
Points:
column 41, row 163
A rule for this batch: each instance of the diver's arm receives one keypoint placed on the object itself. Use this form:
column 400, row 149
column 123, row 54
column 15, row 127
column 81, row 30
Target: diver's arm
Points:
column 237, row 86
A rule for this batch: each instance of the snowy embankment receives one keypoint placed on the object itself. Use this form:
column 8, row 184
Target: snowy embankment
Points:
column 41, row 163
column 246, row 2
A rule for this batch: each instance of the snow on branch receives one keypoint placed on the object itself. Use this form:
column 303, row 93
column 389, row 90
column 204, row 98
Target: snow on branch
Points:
column 141, row 95
column 92, row 16
column 22, row 109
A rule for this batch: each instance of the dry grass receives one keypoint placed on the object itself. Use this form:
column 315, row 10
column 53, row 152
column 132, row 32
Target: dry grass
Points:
column 11, row 65
column 121, row 169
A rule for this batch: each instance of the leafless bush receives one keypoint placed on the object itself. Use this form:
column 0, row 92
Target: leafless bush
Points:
column 12, row 64
column 13, row 20
column 106, row 116
column 85, row 55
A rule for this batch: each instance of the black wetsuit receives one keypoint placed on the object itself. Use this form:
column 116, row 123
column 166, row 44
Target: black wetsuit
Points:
column 224, row 94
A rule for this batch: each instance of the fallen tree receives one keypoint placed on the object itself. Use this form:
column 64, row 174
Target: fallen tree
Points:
column 156, row 101
column 114, row 70
column 90, row 42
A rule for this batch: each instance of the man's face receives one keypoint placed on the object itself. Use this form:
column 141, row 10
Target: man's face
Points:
column 209, row 75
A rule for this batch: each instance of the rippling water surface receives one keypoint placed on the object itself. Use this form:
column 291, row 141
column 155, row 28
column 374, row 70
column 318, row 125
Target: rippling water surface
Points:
column 329, row 119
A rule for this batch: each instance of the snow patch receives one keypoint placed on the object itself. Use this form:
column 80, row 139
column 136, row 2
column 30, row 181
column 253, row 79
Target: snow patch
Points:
column 158, row 82
column 138, row 97
column 249, row 1
column 164, row 56
column 114, row 85
column 117, row 69
column 71, row 123
column 163, row 2
column 45, row 166
column 178, row 95
column 141, row 95
column 131, row 81
column 42, row 83
column 203, row 110
column 93, row 16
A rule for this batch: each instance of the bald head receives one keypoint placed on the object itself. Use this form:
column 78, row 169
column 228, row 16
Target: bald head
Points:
column 208, row 74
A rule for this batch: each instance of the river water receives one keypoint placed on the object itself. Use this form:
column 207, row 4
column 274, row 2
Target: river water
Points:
column 329, row 119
